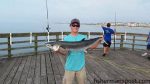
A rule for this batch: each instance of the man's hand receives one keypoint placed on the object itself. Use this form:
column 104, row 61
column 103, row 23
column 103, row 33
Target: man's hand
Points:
column 102, row 25
column 101, row 37
column 97, row 43
column 62, row 51
column 56, row 47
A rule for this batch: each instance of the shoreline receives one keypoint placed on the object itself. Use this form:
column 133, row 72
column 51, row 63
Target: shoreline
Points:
column 117, row 24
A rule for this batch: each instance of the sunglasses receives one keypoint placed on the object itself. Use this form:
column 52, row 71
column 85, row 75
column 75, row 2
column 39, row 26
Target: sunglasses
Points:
column 73, row 25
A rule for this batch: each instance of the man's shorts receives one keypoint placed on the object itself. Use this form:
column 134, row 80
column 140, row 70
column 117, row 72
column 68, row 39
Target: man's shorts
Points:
column 107, row 44
column 69, row 76
column 148, row 47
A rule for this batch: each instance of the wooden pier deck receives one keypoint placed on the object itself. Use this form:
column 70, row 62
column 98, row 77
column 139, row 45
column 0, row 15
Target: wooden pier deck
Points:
column 49, row 69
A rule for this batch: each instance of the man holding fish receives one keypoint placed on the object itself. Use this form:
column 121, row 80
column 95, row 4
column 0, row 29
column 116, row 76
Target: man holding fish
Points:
column 75, row 61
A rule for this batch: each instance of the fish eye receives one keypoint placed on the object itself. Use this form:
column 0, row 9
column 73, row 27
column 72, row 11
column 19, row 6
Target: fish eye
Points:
column 48, row 45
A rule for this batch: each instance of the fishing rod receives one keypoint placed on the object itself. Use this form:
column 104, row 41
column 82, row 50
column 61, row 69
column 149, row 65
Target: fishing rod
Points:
column 115, row 34
column 47, row 28
column 47, row 17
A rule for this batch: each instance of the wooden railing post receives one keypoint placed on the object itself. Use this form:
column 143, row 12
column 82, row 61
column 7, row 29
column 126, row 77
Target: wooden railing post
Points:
column 57, row 37
column 121, row 41
column 133, row 42
column 89, row 35
column 9, row 48
column 36, row 44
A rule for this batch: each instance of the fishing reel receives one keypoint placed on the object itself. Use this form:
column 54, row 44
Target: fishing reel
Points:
column 48, row 28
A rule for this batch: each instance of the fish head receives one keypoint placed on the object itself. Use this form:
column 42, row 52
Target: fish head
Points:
column 53, row 47
column 49, row 46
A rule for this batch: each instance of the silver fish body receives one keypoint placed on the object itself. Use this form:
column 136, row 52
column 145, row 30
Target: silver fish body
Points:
column 83, row 44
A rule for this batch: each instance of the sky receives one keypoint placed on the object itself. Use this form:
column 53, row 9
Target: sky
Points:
column 27, row 12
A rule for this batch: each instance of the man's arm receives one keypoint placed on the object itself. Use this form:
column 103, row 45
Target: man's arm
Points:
column 148, row 38
column 113, row 31
column 97, row 43
column 103, row 27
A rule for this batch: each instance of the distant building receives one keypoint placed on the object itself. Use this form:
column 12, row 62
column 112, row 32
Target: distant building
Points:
column 133, row 24
column 143, row 24
column 130, row 24
column 117, row 24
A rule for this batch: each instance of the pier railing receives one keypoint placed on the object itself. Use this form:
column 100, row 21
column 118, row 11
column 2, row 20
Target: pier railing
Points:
column 7, row 40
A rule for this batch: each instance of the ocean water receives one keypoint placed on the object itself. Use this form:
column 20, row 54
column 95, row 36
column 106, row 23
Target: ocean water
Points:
column 65, row 28
column 97, row 28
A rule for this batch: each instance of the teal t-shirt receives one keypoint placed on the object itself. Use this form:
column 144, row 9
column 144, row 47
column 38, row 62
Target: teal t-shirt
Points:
column 76, row 58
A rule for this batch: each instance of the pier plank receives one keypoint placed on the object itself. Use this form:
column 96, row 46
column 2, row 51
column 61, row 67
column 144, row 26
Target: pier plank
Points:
column 31, row 70
column 36, row 79
column 19, row 71
column 7, row 71
column 25, row 71
column 43, row 70
column 57, row 75
column 50, row 72
column 12, row 74
column 4, row 63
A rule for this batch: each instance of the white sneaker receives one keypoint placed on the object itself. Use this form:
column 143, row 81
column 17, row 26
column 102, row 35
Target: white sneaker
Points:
column 144, row 54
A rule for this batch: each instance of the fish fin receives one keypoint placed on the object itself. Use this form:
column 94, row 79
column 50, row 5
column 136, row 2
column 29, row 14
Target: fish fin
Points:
column 83, row 39
column 85, row 50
